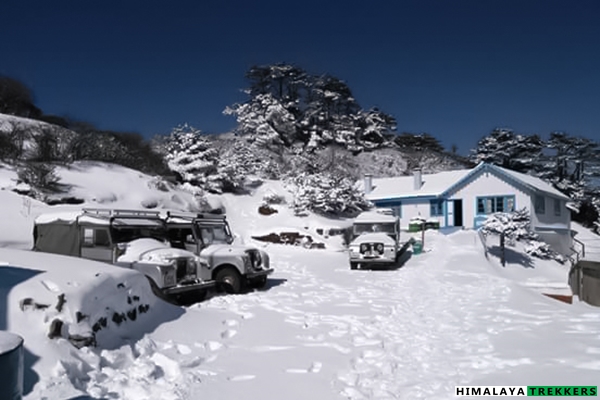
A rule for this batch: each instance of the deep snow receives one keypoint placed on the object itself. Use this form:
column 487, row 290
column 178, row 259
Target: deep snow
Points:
column 319, row 330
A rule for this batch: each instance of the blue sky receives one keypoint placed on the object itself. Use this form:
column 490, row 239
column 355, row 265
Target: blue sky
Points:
column 454, row 69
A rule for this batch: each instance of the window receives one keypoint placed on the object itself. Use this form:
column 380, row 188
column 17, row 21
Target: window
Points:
column 88, row 237
column 540, row 204
column 557, row 207
column 96, row 237
column 436, row 208
column 490, row 205
column 102, row 238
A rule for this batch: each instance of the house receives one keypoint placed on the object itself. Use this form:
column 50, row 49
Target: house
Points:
column 465, row 198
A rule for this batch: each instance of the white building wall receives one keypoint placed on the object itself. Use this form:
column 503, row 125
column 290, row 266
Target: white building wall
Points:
column 412, row 208
column 549, row 217
column 486, row 184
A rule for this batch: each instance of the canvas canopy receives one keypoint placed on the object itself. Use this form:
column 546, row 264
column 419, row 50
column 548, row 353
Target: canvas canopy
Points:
column 59, row 237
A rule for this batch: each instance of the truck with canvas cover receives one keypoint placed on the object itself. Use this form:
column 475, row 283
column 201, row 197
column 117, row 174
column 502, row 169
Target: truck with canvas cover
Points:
column 127, row 238
column 375, row 240
column 232, row 266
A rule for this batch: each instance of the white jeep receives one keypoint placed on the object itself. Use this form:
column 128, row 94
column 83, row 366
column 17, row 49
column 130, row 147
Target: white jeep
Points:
column 126, row 238
column 233, row 267
column 375, row 240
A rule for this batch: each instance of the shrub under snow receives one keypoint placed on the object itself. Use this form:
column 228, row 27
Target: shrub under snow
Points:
column 516, row 226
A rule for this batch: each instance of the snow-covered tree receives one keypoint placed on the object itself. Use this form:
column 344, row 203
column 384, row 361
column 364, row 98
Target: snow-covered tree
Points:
column 287, row 105
column 192, row 156
column 516, row 226
column 509, row 150
column 326, row 194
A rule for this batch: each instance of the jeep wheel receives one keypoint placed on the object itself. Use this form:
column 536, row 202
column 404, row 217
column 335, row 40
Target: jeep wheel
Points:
column 353, row 265
column 229, row 280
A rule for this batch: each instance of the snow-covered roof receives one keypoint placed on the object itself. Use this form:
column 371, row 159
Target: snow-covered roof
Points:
column 439, row 183
column 374, row 217
column 69, row 217
column 404, row 186
column 535, row 182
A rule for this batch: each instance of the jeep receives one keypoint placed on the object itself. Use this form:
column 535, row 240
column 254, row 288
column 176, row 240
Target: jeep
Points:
column 126, row 238
column 375, row 240
column 233, row 267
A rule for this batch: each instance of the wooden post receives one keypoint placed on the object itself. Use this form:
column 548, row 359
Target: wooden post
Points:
column 503, row 255
column 423, row 235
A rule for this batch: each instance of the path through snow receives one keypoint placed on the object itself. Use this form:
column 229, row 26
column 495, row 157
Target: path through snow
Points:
column 322, row 331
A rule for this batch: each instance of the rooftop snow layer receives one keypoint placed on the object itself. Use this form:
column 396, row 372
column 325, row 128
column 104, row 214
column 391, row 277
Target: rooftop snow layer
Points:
column 404, row 186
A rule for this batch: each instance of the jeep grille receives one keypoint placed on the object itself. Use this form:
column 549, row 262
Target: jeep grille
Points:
column 371, row 248
column 182, row 271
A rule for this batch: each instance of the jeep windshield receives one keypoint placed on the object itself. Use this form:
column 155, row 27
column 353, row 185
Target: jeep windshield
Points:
column 388, row 228
column 217, row 232
column 128, row 229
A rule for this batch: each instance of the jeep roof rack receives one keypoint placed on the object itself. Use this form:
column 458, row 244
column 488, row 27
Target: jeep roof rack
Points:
column 105, row 212
column 192, row 216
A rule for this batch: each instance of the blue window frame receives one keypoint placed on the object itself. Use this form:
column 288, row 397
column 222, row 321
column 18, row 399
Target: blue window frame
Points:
column 540, row 204
column 494, row 204
column 436, row 208
column 557, row 207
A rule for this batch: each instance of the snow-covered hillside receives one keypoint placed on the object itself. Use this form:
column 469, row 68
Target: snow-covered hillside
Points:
column 318, row 330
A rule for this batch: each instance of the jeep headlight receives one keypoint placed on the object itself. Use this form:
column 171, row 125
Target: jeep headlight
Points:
column 247, row 262
column 379, row 248
column 169, row 277
column 364, row 247
column 191, row 267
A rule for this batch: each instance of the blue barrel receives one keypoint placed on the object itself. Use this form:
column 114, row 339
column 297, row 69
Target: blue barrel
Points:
column 11, row 366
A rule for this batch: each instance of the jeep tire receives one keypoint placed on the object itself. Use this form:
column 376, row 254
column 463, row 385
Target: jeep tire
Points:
column 229, row 280
column 354, row 265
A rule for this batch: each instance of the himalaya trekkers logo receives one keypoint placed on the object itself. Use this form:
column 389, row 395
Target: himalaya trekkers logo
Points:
column 478, row 391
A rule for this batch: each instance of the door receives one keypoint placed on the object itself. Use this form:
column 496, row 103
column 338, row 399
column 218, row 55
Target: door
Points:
column 458, row 213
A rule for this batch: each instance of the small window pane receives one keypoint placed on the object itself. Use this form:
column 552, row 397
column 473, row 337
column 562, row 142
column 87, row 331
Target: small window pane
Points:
column 88, row 236
column 510, row 204
column 480, row 206
column 102, row 238
column 557, row 208
column 499, row 204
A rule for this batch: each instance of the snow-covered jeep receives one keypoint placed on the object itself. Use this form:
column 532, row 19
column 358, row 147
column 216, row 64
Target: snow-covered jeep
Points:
column 375, row 240
column 127, row 238
column 232, row 266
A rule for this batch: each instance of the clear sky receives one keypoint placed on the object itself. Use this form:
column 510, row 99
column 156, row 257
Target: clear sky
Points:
column 454, row 69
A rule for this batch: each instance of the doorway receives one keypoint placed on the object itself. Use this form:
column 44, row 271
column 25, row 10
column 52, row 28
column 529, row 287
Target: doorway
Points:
column 458, row 212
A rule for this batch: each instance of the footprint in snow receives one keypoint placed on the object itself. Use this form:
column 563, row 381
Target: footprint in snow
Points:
column 228, row 334
column 183, row 349
column 210, row 345
column 315, row 368
column 230, row 322
column 241, row 378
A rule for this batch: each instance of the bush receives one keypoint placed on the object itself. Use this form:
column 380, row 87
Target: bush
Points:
column 516, row 226
column 39, row 176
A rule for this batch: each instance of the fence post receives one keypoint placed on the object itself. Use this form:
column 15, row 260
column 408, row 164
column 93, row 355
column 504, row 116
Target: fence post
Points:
column 502, row 252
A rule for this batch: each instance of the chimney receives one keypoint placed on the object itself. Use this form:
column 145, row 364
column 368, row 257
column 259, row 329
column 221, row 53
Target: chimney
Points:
column 418, row 180
column 368, row 183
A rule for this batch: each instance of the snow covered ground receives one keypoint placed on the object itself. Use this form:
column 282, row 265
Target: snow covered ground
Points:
column 318, row 330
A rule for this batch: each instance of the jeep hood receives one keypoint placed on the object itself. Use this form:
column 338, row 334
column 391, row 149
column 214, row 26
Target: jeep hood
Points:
column 224, row 250
column 152, row 251
column 375, row 237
